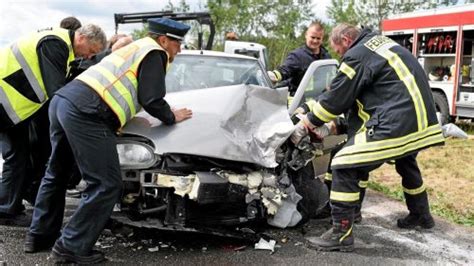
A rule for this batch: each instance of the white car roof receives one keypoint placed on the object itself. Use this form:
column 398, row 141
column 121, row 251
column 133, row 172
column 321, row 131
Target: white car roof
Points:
column 216, row 54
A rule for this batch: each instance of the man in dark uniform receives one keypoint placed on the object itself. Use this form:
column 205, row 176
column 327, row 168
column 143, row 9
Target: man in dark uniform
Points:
column 385, row 96
column 85, row 116
column 39, row 133
column 297, row 62
column 32, row 69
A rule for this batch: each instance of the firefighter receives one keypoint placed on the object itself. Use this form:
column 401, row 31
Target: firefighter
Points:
column 31, row 70
column 385, row 96
column 297, row 62
column 85, row 115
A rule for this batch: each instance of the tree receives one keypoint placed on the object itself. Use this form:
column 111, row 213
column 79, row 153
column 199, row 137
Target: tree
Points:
column 343, row 11
column 372, row 12
column 278, row 24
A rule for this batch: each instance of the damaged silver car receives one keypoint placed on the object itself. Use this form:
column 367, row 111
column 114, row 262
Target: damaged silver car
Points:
column 231, row 165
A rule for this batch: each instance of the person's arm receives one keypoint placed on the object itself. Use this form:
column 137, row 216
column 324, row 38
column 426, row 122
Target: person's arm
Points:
column 352, row 77
column 151, row 87
column 290, row 67
column 53, row 54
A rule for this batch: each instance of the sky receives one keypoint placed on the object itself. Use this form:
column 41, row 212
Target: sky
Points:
column 19, row 17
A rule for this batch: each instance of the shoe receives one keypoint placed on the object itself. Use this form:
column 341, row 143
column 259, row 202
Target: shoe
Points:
column 36, row 243
column 62, row 255
column 20, row 220
column 338, row 238
column 425, row 221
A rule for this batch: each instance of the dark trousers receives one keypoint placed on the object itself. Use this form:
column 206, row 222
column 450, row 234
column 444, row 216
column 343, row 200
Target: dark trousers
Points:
column 345, row 192
column 86, row 139
column 363, row 178
column 15, row 153
column 25, row 150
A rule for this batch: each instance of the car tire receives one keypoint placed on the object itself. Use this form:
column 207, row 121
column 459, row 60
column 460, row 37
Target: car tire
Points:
column 442, row 108
column 312, row 190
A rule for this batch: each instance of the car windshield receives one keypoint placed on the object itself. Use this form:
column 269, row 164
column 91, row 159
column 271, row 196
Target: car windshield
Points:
column 191, row 72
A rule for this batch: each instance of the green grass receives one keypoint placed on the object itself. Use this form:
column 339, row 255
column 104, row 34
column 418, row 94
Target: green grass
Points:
column 440, row 209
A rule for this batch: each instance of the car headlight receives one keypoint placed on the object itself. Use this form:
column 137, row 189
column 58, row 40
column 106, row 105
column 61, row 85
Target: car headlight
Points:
column 135, row 155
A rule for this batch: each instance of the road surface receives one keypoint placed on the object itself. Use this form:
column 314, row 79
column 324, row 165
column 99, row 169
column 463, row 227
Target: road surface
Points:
column 378, row 242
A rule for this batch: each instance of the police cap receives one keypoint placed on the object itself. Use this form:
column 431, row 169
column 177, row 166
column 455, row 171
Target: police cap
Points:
column 168, row 27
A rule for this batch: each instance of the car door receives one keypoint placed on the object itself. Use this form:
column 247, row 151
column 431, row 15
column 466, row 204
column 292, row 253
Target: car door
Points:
column 316, row 80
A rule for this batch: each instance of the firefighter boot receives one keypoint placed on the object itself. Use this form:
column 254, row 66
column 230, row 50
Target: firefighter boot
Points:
column 419, row 212
column 338, row 238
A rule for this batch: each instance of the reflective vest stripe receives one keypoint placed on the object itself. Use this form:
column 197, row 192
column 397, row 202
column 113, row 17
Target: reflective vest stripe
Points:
column 346, row 69
column 117, row 90
column 414, row 191
column 28, row 72
column 322, row 113
column 389, row 153
column 126, row 80
column 8, row 107
column 408, row 79
column 344, row 196
column 115, row 78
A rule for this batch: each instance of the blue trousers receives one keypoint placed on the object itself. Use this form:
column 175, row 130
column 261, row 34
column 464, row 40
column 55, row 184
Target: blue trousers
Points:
column 87, row 140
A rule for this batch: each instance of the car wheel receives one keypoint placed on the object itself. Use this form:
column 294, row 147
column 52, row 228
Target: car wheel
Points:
column 442, row 108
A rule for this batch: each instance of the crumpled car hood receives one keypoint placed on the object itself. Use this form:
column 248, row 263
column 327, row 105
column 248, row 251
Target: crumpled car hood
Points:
column 244, row 123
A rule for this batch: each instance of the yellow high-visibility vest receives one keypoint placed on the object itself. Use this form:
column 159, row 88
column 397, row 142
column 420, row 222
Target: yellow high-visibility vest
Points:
column 114, row 78
column 22, row 56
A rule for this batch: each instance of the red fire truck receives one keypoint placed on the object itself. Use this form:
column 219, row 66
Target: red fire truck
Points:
column 443, row 41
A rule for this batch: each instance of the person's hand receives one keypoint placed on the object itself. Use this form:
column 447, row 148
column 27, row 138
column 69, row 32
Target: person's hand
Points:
column 121, row 42
column 299, row 133
column 272, row 76
column 181, row 114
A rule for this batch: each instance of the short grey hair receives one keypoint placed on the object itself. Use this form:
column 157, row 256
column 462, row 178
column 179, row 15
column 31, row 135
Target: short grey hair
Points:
column 94, row 34
column 344, row 30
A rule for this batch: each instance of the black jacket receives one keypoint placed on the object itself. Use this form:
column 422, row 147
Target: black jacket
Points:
column 385, row 96
column 296, row 64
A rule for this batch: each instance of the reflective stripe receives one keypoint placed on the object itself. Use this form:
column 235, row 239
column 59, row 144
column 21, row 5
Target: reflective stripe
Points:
column 408, row 79
column 116, row 88
column 277, row 74
column 363, row 115
column 360, row 136
column 311, row 105
column 125, row 80
column 115, row 77
column 322, row 113
column 344, row 196
column 391, row 143
column 361, row 157
column 363, row 183
column 414, row 191
column 289, row 99
column 28, row 73
column 328, row 177
column 348, row 233
column 8, row 107
column 346, row 69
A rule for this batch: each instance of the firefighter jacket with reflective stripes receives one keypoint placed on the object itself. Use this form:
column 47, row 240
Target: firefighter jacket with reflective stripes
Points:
column 22, row 90
column 385, row 96
column 115, row 77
